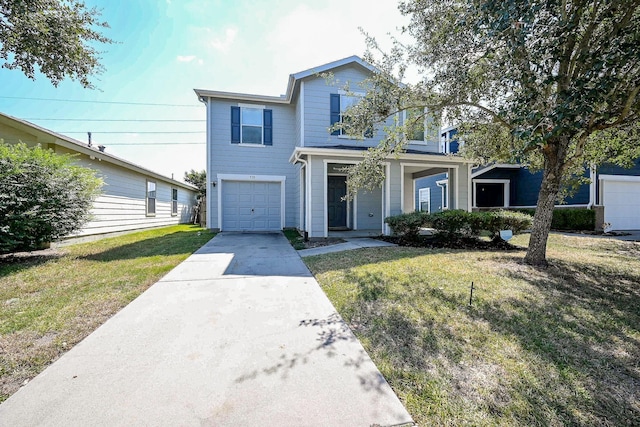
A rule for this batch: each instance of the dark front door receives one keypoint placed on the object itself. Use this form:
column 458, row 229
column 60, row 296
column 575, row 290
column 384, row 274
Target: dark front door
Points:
column 337, row 206
column 489, row 195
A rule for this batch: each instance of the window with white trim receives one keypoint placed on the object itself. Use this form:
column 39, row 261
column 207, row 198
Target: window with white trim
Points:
column 174, row 201
column 424, row 200
column 339, row 104
column 151, row 198
column 251, row 125
column 414, row 119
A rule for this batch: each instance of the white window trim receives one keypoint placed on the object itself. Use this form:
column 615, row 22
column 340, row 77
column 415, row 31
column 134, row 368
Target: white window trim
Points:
column 444, row 186
column 426, row 192
column 155, row 199
column 253, row 107
column 342, row 93
column 506, row 188
column 252, row 178
column 174, row 200
column 424, row 128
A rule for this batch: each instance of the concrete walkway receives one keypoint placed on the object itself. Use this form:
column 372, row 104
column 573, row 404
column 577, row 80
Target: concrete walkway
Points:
column 239, row 334
column 351, row 243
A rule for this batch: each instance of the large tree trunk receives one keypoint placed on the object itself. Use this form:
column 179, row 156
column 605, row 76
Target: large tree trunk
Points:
column 554, row 158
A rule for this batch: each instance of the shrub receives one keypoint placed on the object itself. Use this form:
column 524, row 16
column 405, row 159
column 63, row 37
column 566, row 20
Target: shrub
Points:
column 407, row 225
column 570, row 218
column 573, row 219
column 43, row 196
column 453, row 223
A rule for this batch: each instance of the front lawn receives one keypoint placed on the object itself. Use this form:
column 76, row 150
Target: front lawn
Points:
column 51, row 301
column 555, row 346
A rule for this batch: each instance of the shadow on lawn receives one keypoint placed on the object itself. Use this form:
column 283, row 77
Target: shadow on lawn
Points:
column 580, row 324
column 180, row 242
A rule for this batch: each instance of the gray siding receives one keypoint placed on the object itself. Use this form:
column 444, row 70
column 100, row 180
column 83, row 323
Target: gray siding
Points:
column 247, row 159
column 317, row 91
column 122, row 204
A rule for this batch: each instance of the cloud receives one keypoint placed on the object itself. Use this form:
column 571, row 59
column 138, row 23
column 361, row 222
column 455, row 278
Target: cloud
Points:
column 224, row 44
column 185, row 58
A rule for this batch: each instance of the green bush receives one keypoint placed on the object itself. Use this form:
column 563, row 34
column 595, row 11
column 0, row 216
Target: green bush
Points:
column 407, row 225
column 43, row 196
column 455, row 224
column 573, row 219
column 570, row 218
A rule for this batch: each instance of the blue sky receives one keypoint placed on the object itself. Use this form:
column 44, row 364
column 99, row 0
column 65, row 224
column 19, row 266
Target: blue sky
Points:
column 166, row 48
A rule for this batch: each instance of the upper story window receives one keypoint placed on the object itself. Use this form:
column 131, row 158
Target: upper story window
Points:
column 251, row 124
column 151, row 198
column 339, row 103
column 415, row 118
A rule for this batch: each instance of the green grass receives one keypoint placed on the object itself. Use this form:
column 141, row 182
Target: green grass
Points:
column 555, row 346
column 296, row 240
column 51, row 302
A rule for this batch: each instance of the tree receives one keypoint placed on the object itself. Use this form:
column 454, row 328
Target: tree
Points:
column 55, row 35
column 198, row 179
column 546, row 84
column 43, row 196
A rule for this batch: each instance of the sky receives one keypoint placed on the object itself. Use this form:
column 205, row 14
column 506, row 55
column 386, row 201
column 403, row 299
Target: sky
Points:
column 144, row 109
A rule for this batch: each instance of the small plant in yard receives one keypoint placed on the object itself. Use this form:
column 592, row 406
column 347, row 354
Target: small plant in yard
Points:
column 53, row 299
column 555, row 346
column 294, row 237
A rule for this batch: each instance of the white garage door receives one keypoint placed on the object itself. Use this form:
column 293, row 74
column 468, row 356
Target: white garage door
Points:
column 251, row 206
column 621, row 200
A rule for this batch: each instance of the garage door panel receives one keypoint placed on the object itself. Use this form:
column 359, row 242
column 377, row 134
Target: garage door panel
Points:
column 251, row 206
column 622, row 204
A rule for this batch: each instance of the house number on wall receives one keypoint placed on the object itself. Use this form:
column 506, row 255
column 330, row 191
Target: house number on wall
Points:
column 252, row 177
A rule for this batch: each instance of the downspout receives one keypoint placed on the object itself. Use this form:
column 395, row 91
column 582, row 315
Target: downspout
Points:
column 592, row 187
column 305, row 165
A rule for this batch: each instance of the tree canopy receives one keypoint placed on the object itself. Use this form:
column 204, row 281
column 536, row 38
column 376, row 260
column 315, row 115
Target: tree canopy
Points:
column 198, row 179
column 56, row 36
column 551, row 84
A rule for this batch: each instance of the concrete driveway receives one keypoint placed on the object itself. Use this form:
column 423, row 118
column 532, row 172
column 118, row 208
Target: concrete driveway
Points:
column 239, row 334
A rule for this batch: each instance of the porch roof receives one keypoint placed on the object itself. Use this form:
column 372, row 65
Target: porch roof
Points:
column 358, row 152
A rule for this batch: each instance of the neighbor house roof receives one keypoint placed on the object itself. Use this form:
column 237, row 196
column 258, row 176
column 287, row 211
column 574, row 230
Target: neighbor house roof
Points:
column 292, row 86
column 50, row 137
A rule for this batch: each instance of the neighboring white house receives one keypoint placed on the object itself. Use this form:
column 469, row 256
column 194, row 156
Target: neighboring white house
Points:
column 132, row 197
column 272, row 162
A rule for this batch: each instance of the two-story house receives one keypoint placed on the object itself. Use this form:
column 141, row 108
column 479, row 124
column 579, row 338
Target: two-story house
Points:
column 273, row 162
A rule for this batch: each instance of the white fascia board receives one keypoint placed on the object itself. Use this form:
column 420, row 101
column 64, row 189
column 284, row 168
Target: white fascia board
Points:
column 203, row 93
column 293, row 80
column 493, row 166
column 627, row 178
column 335, row 152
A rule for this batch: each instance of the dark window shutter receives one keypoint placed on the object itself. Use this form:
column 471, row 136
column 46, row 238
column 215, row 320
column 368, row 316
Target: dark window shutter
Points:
column 268, row 127
column 335, row 111
column 235, row 125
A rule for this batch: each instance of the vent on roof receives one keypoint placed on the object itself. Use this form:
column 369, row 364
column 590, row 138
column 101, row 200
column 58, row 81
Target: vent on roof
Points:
column 101, row 148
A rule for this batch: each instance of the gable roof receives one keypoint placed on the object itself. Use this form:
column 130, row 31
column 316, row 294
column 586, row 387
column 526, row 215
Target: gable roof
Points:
column 47, row 136
column 292, row 86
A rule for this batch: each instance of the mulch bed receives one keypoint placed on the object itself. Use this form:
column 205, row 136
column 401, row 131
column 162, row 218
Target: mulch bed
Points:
column 436, row 242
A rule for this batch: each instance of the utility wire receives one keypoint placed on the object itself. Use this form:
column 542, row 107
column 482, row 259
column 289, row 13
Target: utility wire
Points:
column 102, row 102
column 120, row 120
column 132, row 131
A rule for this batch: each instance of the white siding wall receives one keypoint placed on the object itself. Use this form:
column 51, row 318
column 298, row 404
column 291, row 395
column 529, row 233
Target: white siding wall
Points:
column 122, row 204
column 246, row 159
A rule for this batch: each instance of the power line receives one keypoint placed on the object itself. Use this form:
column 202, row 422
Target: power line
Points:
column 102, row 102
column 108, row 144
column 132, row 131
column 120, row 120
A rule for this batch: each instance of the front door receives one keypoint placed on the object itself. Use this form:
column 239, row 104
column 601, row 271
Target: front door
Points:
column 337, row 206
